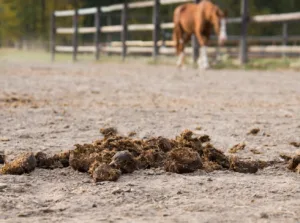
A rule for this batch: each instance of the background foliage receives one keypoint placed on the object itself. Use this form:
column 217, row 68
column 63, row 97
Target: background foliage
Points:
column 30, row 19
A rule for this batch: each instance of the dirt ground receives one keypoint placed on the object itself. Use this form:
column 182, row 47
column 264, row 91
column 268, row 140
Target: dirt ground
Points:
column 51, row 107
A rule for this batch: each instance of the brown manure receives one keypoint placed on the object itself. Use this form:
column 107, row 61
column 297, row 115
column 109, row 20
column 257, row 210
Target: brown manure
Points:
column 107, row 132
column 22, row 164
column 165, row 144
column 104, row 172
column 214, row 155
column 210, row 166
column 254, row 131
column 294, row 163
column 112, row 155
column 238, row 147
column 296, row 144
column 241, row 166
column 57, row 161
column 204, row 138
column 297, row 169
column 182, row 160
column 2, row 158
column 152, row 158
column 187, row 139
column 124, row 161
column 82, row 157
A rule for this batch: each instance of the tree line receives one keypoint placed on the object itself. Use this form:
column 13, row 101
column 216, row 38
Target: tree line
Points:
column 30, row 19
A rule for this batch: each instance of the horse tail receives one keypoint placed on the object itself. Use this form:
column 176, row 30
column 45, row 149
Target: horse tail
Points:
column 176, row 21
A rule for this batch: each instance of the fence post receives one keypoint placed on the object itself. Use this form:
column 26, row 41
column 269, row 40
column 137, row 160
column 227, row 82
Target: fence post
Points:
column 108, row 36
column 156, row 30
column 243, row 40
column 97, row 33
column 52, row 36
column 195, row 43
column 124, row 30
column 75, row 35
column 284, row 36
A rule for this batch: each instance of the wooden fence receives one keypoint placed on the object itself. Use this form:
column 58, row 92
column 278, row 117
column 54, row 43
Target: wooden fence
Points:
column 155, row 46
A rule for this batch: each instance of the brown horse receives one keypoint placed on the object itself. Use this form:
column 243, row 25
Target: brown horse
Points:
column 198, row 19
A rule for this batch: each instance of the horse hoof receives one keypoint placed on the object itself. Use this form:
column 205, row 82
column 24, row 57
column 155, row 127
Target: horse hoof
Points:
column 204, row 67
column 178, row 67
column 183, row 68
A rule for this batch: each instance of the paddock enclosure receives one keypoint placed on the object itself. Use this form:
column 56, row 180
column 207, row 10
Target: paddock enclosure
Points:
column 239, row 46
column 243, row 114
column 50, row 107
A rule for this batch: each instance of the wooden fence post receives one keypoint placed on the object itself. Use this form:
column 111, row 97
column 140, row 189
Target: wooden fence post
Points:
column 195, row 43
column 284, row 36
column 124, row 30
column 75, row 35
column 52, row 36
column 108, row 20
column 156, row 30
column 243, row 40
column 97, row 33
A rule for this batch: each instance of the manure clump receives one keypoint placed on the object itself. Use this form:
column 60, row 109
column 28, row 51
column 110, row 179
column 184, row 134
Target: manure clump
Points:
column 104, row 172
column 182, row 160
column 2, row 158
column 22, row 164
column 238, row 147
column 294, row 164
column 60, row 160
column 124, row 161
column 106, row 159
column 214, row 155
column 241, row 166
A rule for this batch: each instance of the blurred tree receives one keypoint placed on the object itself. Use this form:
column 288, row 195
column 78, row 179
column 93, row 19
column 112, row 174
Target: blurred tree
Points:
column 29, row 19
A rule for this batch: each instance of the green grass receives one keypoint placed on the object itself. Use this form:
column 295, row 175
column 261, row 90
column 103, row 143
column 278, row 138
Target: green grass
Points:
column 262, row 64
column 40, row 56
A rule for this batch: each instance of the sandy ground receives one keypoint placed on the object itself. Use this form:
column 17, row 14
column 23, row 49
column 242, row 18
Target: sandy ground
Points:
column 49, row 108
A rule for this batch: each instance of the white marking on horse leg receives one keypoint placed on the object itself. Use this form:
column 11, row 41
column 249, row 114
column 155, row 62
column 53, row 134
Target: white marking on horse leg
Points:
column 180, row 59
column 223, row 32
column 204, row 59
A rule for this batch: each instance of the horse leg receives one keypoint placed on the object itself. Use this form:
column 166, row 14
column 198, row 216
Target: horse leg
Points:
column 203, row 59
column 183, row 41
column 179, row 47
column 180, row 59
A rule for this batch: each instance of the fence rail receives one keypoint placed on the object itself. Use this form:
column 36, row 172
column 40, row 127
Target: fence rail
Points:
column 155, row 46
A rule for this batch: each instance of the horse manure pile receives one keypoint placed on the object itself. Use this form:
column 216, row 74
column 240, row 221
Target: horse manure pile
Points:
column 2, row 158
column 107, row 159
column 294, row 164
column 57, row 161
column 237, row 148
column 23, row 164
